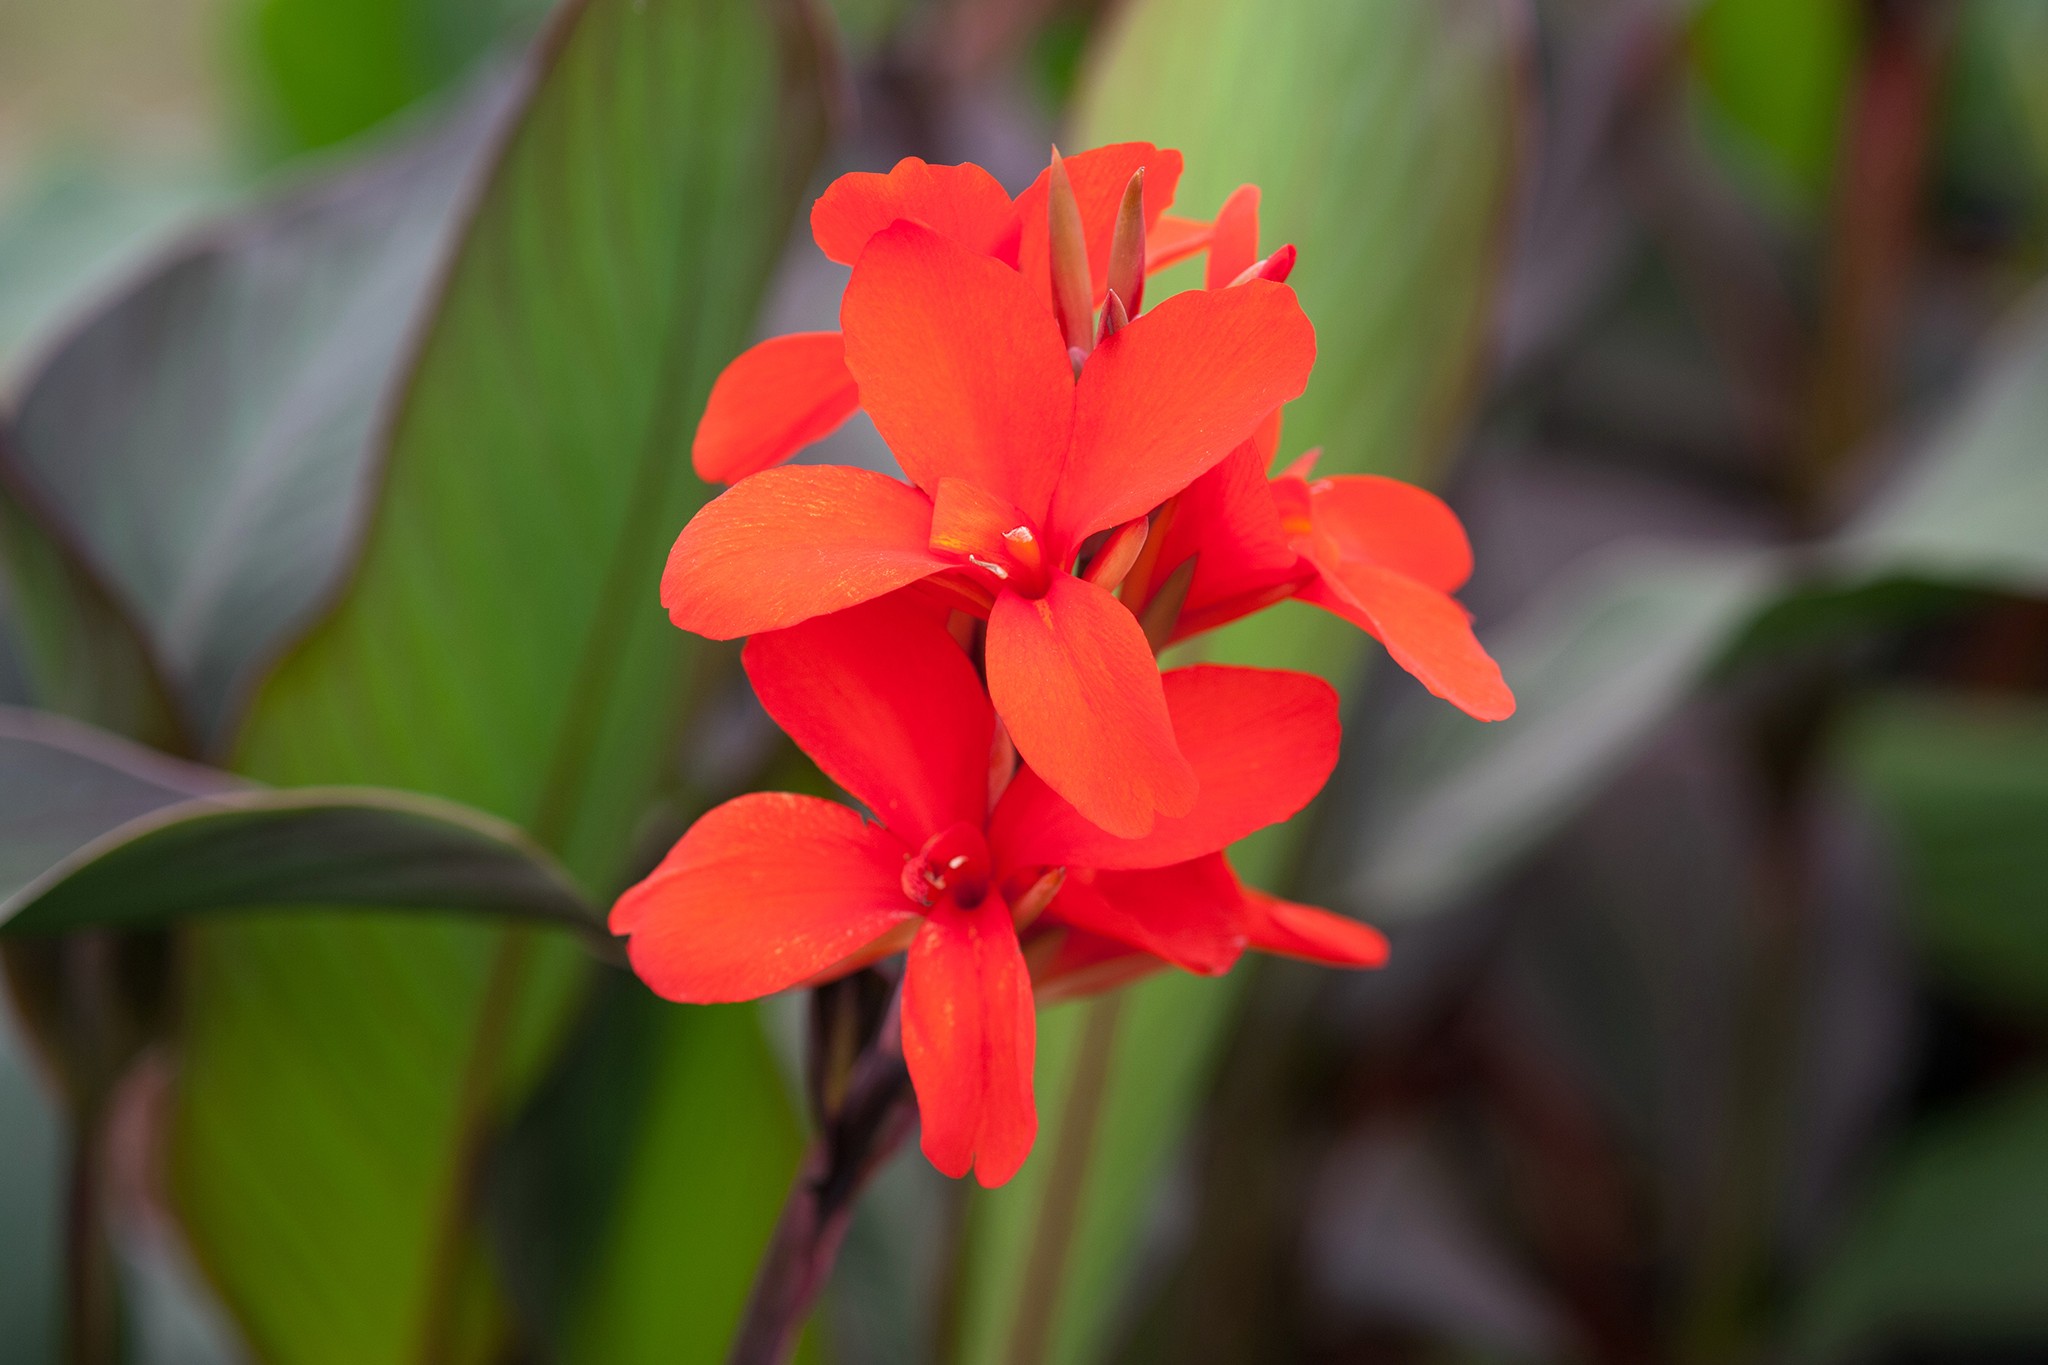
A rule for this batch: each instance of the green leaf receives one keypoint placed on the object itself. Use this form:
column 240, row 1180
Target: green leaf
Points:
column 1383, row 137
column 1951, row 1245
column 498, row 644
column 1963, row 782
column 1968, row 511
column 1777, row 72
column 31, row 1202
column 1597, row 668
column 78, row 651
column 205, row 439
column 330, row 71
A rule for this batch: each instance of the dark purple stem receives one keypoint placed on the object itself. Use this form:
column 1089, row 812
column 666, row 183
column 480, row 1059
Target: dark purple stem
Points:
column 860, row 1127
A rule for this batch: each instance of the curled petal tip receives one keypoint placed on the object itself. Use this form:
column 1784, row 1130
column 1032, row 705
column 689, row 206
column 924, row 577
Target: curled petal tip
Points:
column 1276, row 267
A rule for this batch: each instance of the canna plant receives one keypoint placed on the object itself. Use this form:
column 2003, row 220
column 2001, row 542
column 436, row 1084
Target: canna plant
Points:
column 1049, row 810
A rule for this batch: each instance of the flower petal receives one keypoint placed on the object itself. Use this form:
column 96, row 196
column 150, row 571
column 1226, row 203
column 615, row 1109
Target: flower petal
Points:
column 964, row 203
column 1228, row 518
column 1069, row 964
column 1425, row 631
column 1099, row 177
column 1189, row 914
column 1172, row 240
column 764, row 892
column 788, row 544
column 1395, row 525
column 960, row 365
column 1073, row 679
column 886, row 702
column 1166, row 398
column 970, row 1036
column 1273, row 925
column 773, row 400
column 1234, row 246
column 1261, row 741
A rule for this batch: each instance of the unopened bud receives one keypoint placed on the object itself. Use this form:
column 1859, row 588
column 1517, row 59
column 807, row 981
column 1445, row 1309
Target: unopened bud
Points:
column 1127, row 246
column 1073, row 289
column 1118, row 554
column 1114, row 317
column 1276, row 267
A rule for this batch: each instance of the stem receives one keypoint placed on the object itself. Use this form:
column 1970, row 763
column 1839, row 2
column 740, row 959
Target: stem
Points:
column 1073, row 1154
column 854, row 1139
column 91, row 1318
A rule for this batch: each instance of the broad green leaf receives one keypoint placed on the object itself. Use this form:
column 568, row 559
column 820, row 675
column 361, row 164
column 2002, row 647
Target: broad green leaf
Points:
column 68, row 229
column 1967, row 512
column 1596, row 669
column 1963, row 783
column 1777, row 73
column 206, row 438
column 1383, row 139
column 1951, row 1245
column 313, row 846
column 498, row 644
column 77, row 651
column 64, row 785
column 327, row 72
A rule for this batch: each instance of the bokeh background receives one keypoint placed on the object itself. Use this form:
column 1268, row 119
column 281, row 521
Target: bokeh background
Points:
column 349, row 351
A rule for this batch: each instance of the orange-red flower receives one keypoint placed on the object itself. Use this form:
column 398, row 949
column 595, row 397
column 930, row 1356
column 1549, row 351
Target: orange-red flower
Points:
column 774, row 890
column 1014, row 461
column 786, row 392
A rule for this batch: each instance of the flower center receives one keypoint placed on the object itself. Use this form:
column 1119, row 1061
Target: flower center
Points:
column 988, row 534
column 954, row 862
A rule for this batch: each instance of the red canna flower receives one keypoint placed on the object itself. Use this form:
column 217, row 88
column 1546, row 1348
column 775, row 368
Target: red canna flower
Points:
column 1383, row 554
column 788, row 391
column 1014, row 462
column 773, row 890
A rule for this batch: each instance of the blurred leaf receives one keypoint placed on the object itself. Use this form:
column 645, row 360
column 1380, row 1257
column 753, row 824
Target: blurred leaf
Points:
column 1596, row 668
column 1964, row 782
column 64, row 785
column 499, row 645
column 70, row 228
column 1952, row 1244
column 1383, row 137
column 1778, row 72
column 206, row 439
column 1968, row 511
column 314, row 847
column 329, row 71
column 2015, row 34
column 77, row 651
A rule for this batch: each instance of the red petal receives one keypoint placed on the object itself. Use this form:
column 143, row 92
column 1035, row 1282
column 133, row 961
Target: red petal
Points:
column 960, row 365
column 970, row 523
column 964, row 203
column 970, row 1037
column 764, row 892
column 1275, row 926
column 1229, row 519
column 788, row 544
column 1074, row 680
column 1234, row 247
column 1069, row 963
column 1167, row 397
column 1261, row 741
column 1426, row 631
column 1187, row 914
column 1172, row 240
column 883, row 699
column 1099, row 178
column 772, row 401
column 1395, row 525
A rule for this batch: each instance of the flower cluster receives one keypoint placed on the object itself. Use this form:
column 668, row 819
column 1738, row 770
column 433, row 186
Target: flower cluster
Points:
column 971, row 652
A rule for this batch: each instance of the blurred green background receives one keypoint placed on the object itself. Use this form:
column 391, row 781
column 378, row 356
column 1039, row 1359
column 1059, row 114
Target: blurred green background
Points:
column 349, row 354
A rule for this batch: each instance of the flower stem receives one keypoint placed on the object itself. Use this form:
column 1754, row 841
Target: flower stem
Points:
column 858, row 1131
column 1059, row 1212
